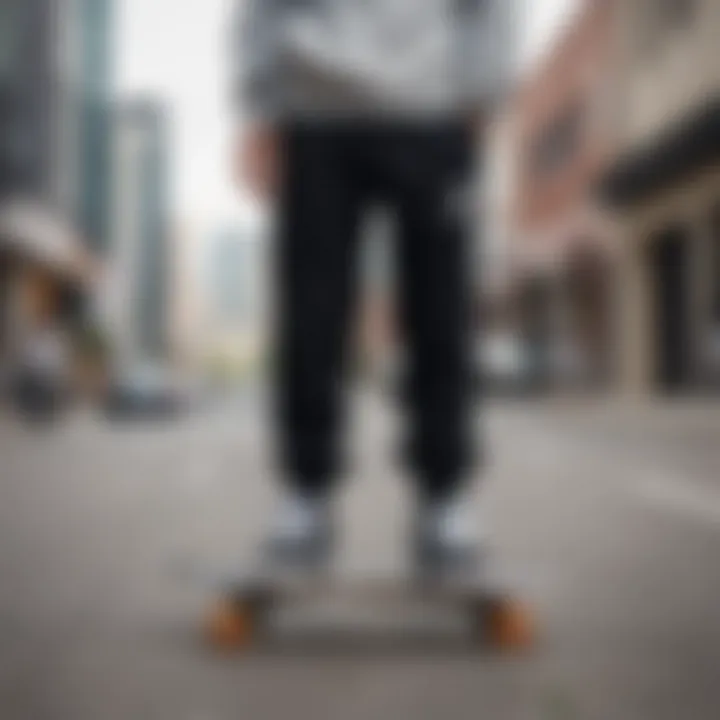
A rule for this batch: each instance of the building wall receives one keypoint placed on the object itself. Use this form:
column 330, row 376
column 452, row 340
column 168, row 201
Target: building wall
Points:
column 670, row 69
column 95, row 70
column 136, row 297
column 235, row 270
column 670, row 63
column 55, row 82
column 561, row 244
column 689, row 206
column 497, row 205
column 563, row 129
column 28, row 93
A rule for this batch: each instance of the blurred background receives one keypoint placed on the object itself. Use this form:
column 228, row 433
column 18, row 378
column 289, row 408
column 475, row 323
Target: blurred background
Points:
column 597, row 252
column 134, row 285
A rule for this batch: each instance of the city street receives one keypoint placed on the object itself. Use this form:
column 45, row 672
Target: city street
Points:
column 606, row 516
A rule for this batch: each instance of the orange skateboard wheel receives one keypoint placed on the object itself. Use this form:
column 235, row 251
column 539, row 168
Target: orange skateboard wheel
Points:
column 509, row 626
column 230, row 626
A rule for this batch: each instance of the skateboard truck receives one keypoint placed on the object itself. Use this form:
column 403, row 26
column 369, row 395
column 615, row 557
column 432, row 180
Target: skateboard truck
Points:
column 239, row 620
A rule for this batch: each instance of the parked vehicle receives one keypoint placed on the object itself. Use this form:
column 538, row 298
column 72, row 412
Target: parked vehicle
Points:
column 145, row 393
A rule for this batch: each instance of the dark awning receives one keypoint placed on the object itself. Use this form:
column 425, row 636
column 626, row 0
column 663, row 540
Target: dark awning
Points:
column 690, row 145
column 34, row 231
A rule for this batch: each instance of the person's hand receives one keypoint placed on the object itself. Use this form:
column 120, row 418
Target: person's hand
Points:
column 479, row 122
column 258, row 159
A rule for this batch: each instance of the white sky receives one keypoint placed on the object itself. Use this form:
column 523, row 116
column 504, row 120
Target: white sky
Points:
column 176, row 49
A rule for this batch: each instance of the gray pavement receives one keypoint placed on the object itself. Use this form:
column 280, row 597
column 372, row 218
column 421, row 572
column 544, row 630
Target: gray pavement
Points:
column 607, row 517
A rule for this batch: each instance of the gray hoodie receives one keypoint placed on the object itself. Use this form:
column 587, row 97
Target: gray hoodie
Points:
column 364, row 58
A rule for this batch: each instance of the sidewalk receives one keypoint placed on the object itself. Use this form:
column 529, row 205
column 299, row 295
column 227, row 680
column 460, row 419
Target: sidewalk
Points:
column 619, row 570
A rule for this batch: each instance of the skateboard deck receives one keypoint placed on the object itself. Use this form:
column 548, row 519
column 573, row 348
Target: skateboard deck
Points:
column 240, row 617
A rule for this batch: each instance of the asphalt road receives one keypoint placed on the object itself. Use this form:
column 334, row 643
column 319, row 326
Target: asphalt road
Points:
column 606, row 518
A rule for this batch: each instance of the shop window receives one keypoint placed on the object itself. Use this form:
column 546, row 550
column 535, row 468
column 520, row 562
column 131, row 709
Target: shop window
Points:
column 713, row 339
column 559, row 142
column 676, row 13
column 716, row 269
column 659, row 19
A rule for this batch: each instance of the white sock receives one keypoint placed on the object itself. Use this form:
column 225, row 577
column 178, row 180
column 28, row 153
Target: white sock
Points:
column 298, row 516
column 455, row 523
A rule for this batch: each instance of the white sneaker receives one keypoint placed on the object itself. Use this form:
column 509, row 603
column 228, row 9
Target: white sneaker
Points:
column 300, row 535
column 449, row 536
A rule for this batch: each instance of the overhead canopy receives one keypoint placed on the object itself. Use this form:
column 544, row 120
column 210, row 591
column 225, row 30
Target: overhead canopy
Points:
column 32, row 230
column 690, row 144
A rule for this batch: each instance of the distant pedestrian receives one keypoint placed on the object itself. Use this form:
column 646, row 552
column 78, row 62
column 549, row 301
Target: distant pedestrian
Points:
column 43, row 372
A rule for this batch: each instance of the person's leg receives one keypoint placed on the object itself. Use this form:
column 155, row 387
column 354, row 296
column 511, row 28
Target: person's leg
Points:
column 316, row 262
column 432, row 173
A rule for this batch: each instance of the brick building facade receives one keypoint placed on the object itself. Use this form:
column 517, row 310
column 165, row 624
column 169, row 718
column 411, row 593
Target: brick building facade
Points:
column 561, row 243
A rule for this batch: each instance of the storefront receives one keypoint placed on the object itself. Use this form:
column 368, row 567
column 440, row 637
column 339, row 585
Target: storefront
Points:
column 44, row 273
column 564, row 304
column 668, row 194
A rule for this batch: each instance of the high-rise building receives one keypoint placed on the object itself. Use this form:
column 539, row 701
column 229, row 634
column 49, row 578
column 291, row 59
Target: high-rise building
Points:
column 55, row 84
column 234, row 277
column 95, row 72
column 233, row 285
column 138, row 251
column 28, row 96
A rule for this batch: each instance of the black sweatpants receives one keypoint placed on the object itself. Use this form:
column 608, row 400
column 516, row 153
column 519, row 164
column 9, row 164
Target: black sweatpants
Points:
column 333, row 172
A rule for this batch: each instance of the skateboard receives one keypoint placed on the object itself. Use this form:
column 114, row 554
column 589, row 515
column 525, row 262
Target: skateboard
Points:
column 240, row 619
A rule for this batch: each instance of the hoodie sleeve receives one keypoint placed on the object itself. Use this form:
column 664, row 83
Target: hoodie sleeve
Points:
column 488, row 50
column 254, row 57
